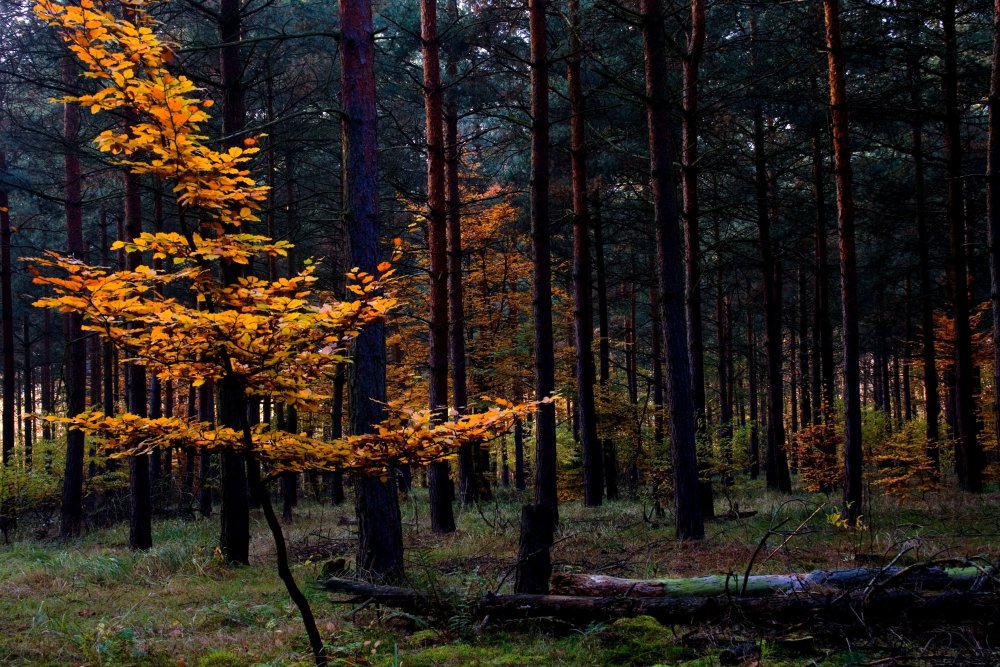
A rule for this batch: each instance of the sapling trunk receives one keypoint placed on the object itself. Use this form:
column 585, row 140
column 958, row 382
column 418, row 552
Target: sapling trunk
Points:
column 281, row 553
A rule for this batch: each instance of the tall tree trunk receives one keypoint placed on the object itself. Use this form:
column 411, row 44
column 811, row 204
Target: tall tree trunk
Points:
column 140, row 518
column 380, row 544
column 45, row 374
column 519, row 483
column 29, row 392
column 752, row 389
column 725, row 359
column 681, row 412
column 993, row 210
column 7, row 316
column 907, row 350
column 932, row 405
column 656, row 352
column 823, row 369
column 438, row 484
column 336, row 480
column 604, row 340
column 541, row 297
column 774, row 462
column 848, row 262
column 456, row 291
column 207, row 461
column 805, row 381
column 969, row 461
column 234, row 515
column 583, row 317
column 692, row 235
column 75, row 345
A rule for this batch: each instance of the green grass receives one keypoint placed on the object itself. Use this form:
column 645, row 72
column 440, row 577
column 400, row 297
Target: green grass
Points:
column 91, row 601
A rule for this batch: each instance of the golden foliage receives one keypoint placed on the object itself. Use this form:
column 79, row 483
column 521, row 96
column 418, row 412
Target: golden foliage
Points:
column 819, row 468
column 271, row 340
column 904, row 469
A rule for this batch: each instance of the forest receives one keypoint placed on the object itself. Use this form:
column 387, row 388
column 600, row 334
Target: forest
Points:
column 540, row 332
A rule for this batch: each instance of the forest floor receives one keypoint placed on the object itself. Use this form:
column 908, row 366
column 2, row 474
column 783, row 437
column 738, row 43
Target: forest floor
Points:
column 93, row 602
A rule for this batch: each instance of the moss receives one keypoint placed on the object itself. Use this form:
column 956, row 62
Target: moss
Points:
column 478, row 656
column 221, row 659
column 637, row 641
column 424, row 638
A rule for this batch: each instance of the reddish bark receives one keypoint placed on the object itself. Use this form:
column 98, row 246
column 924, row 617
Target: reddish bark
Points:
column 439, row 486
column 848, row 261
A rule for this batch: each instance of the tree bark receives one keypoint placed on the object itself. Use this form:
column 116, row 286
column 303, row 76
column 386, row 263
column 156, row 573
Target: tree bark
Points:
column 438, row 484
column 805, row 381
column 823, row 369
column 692, row 237
column 380, row 544
column 534, row 567
column 583, row 317
column 29, row 391
column 234, row 514
column 752, row 389
column 993, row 210
column 604, row 340
column 932, row 404
column 75, row 346
column 818, row 582
column 7, row 316
column 774, row 461
column 969, row 462
column 456, row 291
column 519, row 483
column 681, row 412
column 140, row 517
column 541, row 296
column 848, row 262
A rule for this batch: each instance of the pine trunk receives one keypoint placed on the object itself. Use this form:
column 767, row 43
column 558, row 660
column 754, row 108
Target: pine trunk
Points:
column 75, row 345
column 969, row 462
column 541, row 261
column 583, row 318
column 681, row 410
column 848, row 262
column 380, row 544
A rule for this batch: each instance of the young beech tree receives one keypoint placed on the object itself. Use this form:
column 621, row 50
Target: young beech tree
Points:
column 253, row 339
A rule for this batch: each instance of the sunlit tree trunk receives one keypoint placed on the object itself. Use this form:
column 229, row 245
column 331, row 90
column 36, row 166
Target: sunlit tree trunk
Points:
column 848, row 262
column 438, row 483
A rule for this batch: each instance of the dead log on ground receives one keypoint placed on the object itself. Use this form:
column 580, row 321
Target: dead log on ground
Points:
column 869, row 605
column 931, row 578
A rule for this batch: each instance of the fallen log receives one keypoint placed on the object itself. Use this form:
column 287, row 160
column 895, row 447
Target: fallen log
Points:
column 597, row 585
column 897, row 606
column 864, row 605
